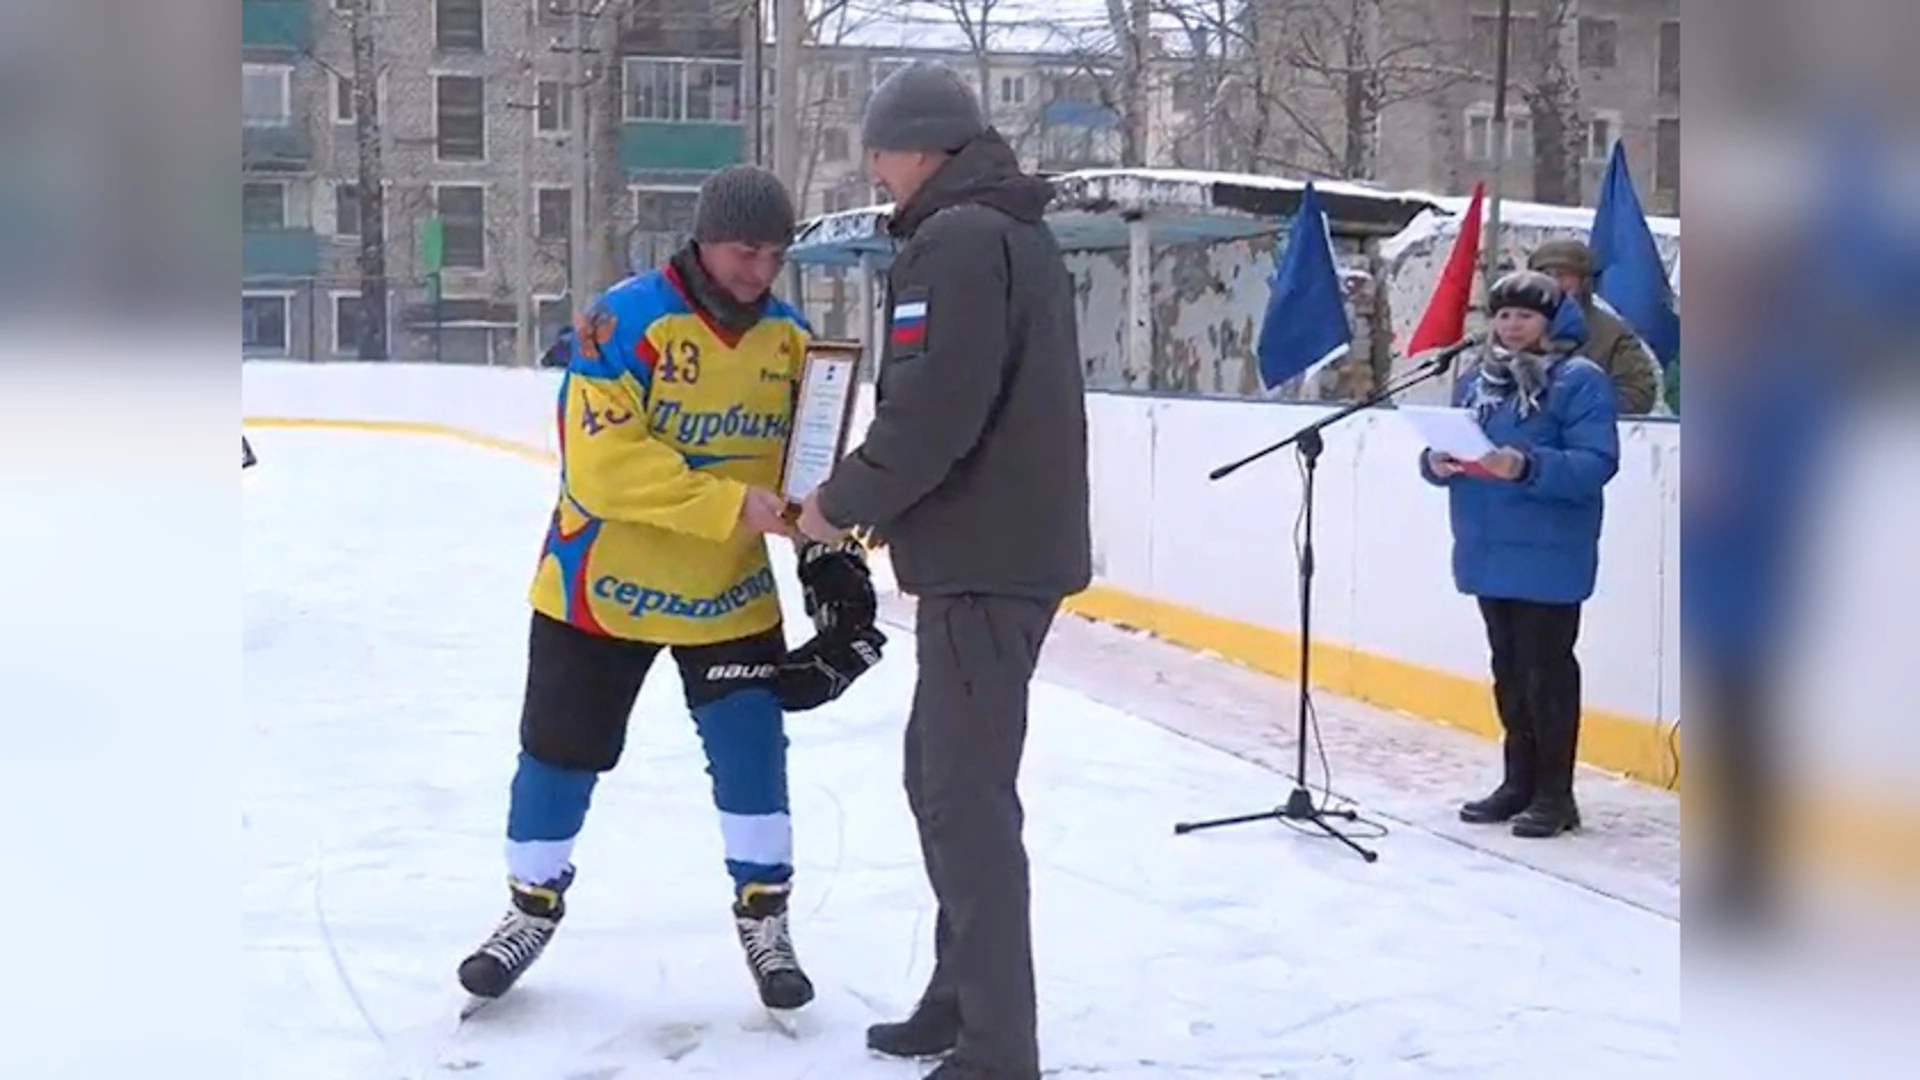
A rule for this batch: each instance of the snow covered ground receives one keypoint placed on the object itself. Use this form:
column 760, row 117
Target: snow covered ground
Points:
column 385, row 620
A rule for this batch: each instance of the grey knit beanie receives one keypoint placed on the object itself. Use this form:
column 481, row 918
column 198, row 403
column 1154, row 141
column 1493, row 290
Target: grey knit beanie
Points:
column 743, row 203
column 923, row 106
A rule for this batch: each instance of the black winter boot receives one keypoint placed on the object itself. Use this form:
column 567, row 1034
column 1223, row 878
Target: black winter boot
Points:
column 1504, row 802
column 955, row 1068
column 1515, row 790
column 1547, row 816
column 932, row 1030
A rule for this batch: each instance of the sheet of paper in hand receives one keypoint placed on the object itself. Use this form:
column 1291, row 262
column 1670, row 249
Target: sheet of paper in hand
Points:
column 822, row 418
column 1450, row 431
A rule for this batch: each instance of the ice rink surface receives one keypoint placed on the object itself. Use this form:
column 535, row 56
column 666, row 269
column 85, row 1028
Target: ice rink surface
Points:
column 385, row 625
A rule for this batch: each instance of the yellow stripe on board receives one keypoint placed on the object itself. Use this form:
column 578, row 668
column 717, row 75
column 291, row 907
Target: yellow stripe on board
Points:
column 1623, row 744
column 408, row 427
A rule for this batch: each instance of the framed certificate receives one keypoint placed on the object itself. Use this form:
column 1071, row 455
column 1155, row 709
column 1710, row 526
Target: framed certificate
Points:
column 822, row 418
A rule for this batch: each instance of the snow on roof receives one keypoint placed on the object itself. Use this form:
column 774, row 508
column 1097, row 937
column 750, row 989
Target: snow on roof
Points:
column 1012, row 26
column 1446, row 220
column 1250, row 180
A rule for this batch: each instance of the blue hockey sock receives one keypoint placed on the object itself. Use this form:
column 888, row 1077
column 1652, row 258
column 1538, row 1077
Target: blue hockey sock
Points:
column 745, row 739
column 548, row 807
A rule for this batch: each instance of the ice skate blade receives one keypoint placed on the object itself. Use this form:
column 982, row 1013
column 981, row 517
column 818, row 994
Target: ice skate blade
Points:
column 786, row 1021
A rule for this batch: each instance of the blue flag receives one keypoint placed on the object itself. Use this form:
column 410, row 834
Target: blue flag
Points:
column 1305, row 326
column 1627, row 270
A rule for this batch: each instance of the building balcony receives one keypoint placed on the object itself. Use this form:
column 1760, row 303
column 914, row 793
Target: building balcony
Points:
column 275, row 25
column 279, row 253
column 1067, row 112
column 278, row 148
column 649, row 145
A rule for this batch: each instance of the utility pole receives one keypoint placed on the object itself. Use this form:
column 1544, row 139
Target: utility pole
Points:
column 1491, row 244
column 529, row 209
column 579, row 283
column 756, row 53
column 790, row 25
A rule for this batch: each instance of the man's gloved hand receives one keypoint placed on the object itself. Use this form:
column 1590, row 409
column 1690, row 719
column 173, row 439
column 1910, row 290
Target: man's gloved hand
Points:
column 838, row 587
column 823, row 668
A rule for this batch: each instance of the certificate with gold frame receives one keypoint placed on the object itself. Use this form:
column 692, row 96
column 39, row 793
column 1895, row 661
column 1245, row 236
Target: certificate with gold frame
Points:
column 827, row 388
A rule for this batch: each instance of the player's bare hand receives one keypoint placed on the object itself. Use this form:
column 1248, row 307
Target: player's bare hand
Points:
column 764, row 512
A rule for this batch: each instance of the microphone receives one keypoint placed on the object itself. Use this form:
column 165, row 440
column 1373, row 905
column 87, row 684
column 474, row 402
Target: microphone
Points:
column 1444, row 359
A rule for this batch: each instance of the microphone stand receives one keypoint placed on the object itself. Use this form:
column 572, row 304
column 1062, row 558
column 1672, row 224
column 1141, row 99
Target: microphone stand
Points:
column 1308, row 444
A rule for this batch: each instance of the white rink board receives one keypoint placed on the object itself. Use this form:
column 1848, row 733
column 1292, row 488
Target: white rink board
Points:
column 1163, row 530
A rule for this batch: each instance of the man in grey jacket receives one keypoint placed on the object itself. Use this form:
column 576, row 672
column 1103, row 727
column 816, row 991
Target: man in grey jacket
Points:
column 974, row 472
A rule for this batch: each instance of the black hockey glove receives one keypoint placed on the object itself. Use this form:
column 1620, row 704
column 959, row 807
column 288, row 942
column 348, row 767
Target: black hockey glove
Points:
column 838, row 587
column 823, row 668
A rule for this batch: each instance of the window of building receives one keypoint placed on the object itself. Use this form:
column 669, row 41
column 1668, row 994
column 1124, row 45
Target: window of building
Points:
column 683, row 91
column 1598, row 43
column 263, row 322
column 1603, row 130
column 266, row 95
column 1666, row 156
column 1670, row 58
column 840, row 84
column 551, row 314
column 463, row 224
column 553, row 112
column 346, row 323
column 1483, row 42
column 459, row 25
column 1013, row 89
column 459, row 118
column 835, row 144
column 341, row 91
column 555, row 213
column 1481, row 134
column 835, row 199
column 263, row 205
column 346, row 210
column 662, row 221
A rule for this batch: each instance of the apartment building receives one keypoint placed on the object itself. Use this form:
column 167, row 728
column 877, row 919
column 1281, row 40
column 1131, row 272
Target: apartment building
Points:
column 1436, row 61
column 478, row 137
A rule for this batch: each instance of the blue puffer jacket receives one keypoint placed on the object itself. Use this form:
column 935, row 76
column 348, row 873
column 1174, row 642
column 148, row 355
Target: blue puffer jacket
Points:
column 1538, row 538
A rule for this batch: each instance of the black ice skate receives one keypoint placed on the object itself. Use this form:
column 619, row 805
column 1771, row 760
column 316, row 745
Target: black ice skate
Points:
column 760, row 915
column 519, row 939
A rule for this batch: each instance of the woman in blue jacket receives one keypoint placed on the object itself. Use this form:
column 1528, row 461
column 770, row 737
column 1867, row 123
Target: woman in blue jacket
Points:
column 1526, row 536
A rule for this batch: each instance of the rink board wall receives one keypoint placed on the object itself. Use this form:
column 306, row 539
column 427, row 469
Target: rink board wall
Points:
column 1211, row 564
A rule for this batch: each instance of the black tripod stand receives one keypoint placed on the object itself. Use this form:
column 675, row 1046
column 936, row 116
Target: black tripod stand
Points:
column 1308, row 445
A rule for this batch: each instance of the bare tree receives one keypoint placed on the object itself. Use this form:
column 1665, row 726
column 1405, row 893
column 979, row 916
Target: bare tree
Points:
column 1552, row 95
column 977, row 21
column 828, row 25
column 1341, row 64
column 1131, row 25
column 1224, row 87
column 370, row 175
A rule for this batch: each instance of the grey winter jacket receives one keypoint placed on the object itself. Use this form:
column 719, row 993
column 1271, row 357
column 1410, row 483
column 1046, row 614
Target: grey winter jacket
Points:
column 974, row 470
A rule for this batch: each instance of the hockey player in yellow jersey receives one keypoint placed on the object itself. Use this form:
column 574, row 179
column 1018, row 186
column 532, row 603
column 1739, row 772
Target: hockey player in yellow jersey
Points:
column 673, row 414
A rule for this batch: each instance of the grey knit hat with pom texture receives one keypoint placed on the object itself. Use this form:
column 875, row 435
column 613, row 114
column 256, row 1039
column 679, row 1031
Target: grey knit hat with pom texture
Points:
column 743, row 203
column 923, row 106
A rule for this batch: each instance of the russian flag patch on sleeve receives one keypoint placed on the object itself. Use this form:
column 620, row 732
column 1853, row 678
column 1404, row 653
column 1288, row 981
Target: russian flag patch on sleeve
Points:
column 909, row 325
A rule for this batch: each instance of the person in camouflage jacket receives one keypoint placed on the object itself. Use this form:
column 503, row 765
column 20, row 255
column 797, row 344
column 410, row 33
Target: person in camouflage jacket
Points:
column 1611, row 343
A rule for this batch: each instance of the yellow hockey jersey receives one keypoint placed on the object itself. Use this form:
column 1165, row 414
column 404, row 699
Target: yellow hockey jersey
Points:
column 665, row 419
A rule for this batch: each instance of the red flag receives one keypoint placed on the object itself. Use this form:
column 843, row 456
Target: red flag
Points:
column 1445, row 320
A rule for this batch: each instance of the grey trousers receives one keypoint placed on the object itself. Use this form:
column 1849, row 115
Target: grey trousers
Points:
column 964, row 742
